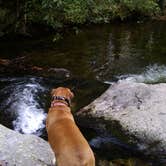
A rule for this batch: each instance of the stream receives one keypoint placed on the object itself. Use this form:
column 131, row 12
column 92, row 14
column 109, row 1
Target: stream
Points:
column 96, row 57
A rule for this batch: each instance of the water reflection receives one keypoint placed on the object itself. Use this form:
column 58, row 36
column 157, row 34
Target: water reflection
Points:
column 100, row 52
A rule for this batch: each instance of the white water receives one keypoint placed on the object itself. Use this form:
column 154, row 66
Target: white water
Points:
column 22, row 96
column 152, row 74
column 22, row 102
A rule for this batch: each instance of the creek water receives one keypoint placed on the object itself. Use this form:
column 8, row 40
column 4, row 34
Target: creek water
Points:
column 96, row 56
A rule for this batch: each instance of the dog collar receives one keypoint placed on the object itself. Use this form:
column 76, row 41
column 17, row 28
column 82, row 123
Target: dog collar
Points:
column 61, row 98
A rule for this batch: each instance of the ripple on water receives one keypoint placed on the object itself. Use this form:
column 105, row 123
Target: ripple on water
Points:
column 152, row 74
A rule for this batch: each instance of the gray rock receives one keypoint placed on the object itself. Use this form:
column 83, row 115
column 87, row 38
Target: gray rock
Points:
column 17, row 149
column 140, row 110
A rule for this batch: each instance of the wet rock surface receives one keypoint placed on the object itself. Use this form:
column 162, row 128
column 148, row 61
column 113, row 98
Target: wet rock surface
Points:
column 17, row 149
column 22, row 65
column 139, row 109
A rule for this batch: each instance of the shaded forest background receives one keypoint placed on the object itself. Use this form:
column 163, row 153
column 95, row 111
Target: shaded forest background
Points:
column 19, row 16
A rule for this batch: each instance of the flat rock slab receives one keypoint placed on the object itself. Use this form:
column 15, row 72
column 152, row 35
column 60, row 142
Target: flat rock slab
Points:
column 139, row 108
column 23, row 150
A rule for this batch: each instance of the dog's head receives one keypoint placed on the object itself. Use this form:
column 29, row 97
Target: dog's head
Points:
column 64, row 92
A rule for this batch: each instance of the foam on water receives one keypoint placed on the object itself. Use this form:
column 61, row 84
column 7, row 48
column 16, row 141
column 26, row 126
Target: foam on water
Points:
column 23, row 103
column 152, row 74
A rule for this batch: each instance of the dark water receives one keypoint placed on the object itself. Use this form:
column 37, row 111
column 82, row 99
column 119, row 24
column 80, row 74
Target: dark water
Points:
column 96, row 56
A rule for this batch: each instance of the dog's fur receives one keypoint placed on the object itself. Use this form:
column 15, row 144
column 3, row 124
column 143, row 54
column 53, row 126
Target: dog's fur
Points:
column 68, row 143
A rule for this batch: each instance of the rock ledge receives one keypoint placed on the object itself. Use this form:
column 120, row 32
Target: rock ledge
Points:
column 17, row 149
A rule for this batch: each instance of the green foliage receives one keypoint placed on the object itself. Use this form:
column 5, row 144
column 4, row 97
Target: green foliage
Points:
column 3, row 13
column 59, row 13
column 101, row 11
column 106, row 10
column 143, row 7
column 75, row 11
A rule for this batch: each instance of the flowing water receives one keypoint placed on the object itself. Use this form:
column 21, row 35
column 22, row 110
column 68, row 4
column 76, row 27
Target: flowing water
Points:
column 96, row 57
column 20, row 98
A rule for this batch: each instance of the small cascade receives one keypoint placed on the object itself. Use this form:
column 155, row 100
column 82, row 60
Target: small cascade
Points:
column 22, row 99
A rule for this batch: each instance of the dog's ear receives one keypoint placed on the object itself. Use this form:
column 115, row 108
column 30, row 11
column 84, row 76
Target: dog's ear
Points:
column 53, row 91
column 71, row 94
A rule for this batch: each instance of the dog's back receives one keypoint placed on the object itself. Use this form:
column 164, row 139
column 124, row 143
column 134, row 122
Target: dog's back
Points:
column 68, row 143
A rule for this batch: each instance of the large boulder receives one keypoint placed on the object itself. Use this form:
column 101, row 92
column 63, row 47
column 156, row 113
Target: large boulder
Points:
column 28, row 150
column 137, row 109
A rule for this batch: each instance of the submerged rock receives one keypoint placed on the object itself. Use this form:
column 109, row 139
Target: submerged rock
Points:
column 138, row 109
column 28, row 150
column 22, row 66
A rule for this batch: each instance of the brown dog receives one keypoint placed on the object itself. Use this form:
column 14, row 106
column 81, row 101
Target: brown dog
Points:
column 69, row 145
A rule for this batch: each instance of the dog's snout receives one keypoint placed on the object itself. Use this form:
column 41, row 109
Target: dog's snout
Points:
column 62, row 91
